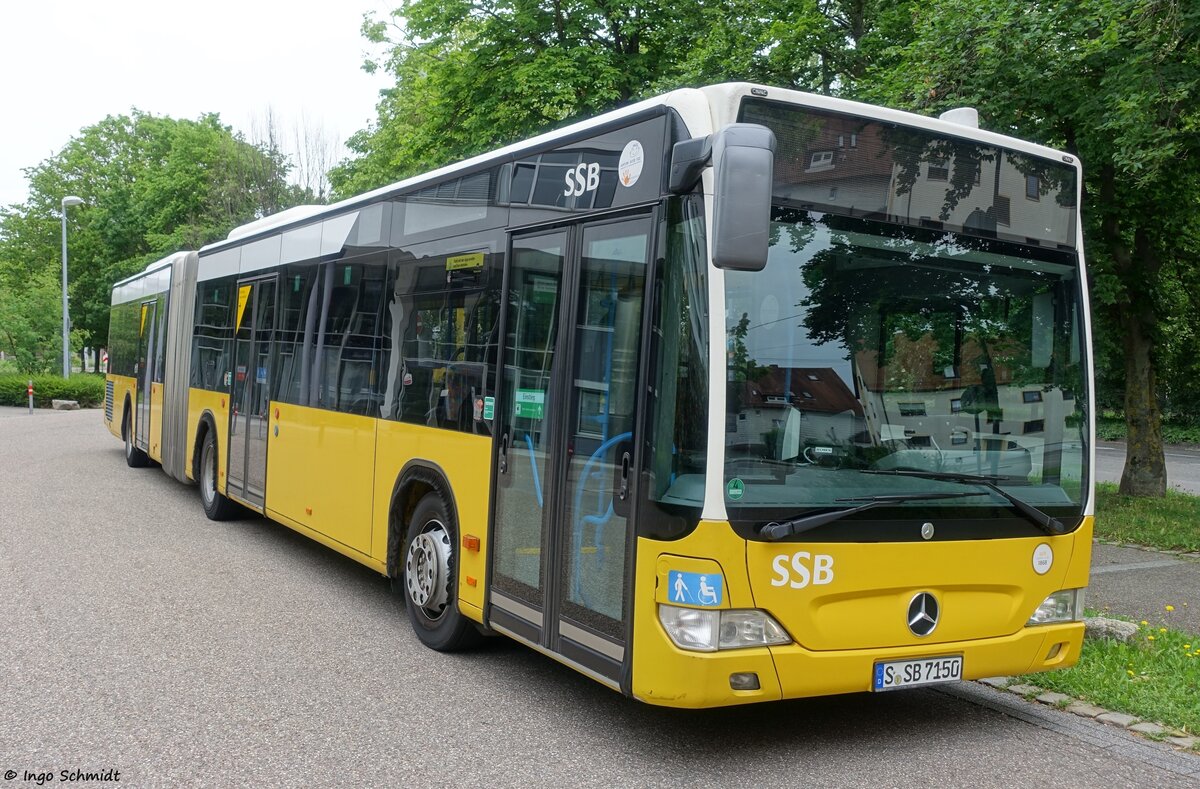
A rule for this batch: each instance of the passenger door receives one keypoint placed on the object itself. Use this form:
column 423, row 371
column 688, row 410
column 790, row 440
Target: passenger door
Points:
column 145, row 373
column 567, row 416
column 250, row 396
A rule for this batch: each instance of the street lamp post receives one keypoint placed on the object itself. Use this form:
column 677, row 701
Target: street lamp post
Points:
column 69, row 200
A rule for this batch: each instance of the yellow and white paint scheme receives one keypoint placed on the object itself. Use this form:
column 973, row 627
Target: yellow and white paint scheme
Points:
column 331, row 476
column 988, row 590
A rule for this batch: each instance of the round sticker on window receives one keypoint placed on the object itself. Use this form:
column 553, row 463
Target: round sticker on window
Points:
column 1043, row 557
column 630, row 166
column 735, row 489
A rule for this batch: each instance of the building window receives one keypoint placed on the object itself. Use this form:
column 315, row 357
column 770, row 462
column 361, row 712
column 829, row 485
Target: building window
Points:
column 1035, row 426
column 1032, row 187
column 820, row 160
column 939, row 171
column 956, row 405
column 1032, row 397
column 912, row 409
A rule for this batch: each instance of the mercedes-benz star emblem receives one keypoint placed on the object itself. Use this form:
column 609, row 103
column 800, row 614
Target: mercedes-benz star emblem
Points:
column 922, row 614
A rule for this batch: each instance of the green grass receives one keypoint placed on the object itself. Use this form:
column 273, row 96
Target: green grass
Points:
column 1156, row 677
column 1110, row 426
column 1170, row 523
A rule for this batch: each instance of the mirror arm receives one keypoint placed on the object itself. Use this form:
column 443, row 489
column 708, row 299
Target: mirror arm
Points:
column 688, row 160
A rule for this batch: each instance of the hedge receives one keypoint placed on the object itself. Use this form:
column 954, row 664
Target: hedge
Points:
column 86, row 389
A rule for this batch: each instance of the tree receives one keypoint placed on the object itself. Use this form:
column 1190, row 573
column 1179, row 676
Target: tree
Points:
column 151, row 186
column 31, row 322
column 472, row 75
column 1116, row 82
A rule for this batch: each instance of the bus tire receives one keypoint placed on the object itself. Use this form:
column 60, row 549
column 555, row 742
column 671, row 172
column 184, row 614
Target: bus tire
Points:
column 216, row 506
column 427, row 578
column 134, row 457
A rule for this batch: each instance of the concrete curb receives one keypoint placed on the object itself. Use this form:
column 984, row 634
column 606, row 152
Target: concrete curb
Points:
column 1195, row 555
column 1184, row 742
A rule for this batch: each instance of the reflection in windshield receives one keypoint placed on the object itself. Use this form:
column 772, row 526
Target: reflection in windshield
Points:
column 869, row 346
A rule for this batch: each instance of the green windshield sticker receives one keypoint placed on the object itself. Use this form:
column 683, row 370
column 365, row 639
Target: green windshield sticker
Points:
column 545, row 289
column 735, row 489
column 489, row 407
column 530, row 403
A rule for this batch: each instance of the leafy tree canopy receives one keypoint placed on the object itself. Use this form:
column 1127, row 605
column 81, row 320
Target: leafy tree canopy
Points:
column 472, row 75
column 151, row 186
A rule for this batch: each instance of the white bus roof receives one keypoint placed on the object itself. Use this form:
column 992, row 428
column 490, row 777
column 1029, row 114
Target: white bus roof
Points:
column 703, row 110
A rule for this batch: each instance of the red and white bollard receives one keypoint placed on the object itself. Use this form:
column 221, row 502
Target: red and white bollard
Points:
column 29, row 391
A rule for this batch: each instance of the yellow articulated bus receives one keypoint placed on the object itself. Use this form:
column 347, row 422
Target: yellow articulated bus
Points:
column 731, row 395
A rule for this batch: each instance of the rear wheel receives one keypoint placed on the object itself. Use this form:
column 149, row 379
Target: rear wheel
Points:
column 428, row 580
column 216, row 506
column 134, row 457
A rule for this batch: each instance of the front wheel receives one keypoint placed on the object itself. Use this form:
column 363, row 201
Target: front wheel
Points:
column 216, row 506
column 428, row 578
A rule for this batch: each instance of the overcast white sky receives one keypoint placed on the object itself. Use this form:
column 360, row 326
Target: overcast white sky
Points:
column 66, row 64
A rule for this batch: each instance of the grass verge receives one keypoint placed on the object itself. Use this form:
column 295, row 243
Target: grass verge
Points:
column 1171, row 523
column 1155, row 677
column 1110, row 426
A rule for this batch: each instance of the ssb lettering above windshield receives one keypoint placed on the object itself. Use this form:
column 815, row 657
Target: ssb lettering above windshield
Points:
column 802, row 568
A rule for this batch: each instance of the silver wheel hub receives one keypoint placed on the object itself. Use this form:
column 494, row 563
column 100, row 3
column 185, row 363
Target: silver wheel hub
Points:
column 208, row 486
column 427, row 569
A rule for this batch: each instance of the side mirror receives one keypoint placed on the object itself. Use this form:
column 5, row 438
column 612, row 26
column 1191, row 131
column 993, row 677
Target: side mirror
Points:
column 743, row 156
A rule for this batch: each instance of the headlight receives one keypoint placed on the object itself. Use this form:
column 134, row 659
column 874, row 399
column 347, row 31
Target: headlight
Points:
column 1064, row 606
column 707, row 630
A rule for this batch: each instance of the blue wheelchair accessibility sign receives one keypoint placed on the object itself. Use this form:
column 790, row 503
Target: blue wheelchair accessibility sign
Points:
column 702, row 589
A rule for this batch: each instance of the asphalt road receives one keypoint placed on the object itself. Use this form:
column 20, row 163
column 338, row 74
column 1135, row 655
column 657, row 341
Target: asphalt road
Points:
column 136, row 635
column 1183, row 465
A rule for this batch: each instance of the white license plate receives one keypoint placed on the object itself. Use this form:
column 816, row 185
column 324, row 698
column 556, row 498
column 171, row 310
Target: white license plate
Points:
column 893, row 674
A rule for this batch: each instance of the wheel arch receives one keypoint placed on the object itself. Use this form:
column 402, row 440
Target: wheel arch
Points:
column 204, row 425
column 417, row 478
column 127, row 413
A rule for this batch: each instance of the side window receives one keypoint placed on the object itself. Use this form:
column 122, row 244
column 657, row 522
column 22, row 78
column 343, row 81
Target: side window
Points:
column 299, row 308
column 440, row 340
column 213, row 334
column 348, row 353
column 160, row 340
column 676, row 438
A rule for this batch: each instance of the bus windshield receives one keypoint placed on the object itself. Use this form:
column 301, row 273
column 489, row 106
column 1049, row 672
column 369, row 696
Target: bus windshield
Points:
column 867, row 346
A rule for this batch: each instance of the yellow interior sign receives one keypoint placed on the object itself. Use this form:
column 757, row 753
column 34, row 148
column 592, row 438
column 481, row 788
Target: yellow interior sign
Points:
column 243, row 297
column 471, row 260
column 142, row 328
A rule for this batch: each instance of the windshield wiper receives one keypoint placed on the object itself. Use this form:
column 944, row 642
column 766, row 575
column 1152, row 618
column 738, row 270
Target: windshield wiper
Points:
column 777, row 531
column 1046, row 523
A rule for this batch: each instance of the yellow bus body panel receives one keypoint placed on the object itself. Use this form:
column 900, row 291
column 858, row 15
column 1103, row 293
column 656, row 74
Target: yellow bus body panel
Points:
column 856, row 617
column 123, row 386
column 320, row 465
column 667, row 675
column 201, row 402
column 465, row 459
column 345, row 550
column 156, row 422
